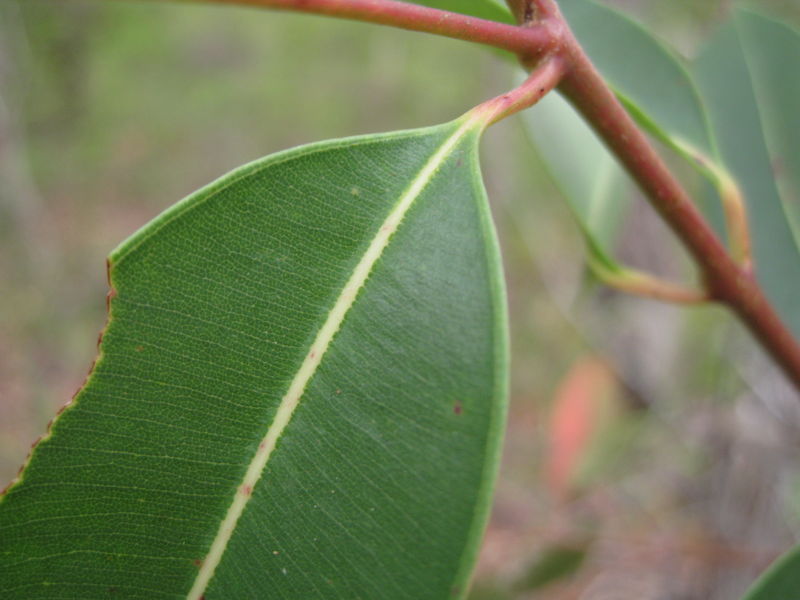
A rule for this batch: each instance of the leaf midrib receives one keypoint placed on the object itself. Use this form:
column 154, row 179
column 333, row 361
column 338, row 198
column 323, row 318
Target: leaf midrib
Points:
column 317, row 350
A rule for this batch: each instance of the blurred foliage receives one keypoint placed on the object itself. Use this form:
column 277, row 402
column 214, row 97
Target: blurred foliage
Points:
column 556, row 563
column 110, row 112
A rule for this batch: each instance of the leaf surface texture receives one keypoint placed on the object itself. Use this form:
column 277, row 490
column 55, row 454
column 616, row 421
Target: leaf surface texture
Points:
column 380, row 478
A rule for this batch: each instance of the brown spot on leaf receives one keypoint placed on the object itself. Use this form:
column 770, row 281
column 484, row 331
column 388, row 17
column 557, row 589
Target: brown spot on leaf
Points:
column 458, row 408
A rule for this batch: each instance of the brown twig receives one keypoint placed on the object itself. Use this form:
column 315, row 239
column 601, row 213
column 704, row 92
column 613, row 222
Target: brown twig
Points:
column 546, row 76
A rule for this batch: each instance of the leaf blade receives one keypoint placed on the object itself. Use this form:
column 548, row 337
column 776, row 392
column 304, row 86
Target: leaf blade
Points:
column 769, row 46
column 196, row 346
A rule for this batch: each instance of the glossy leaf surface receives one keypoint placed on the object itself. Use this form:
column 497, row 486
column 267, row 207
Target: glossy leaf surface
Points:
column 318, row 339
column 752, row 98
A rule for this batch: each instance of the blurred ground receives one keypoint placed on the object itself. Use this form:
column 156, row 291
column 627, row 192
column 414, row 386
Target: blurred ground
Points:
column 651, row 454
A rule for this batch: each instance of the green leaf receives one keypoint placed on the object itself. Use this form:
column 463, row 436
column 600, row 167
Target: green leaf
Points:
column 752, row 102
column 769, row 47
column 780, row 581
column 494, row 10
column 655, row 87
column 308, row 355
column 590, row 178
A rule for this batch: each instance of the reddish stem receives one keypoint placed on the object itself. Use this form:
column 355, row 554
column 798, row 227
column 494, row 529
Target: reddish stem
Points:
column 541, row 81
column 527, row 42
column 727, row 281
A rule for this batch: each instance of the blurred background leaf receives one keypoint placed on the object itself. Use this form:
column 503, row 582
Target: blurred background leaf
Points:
column 752, row 101
column 494, row 10
column 656, row 86
column 594, row 185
